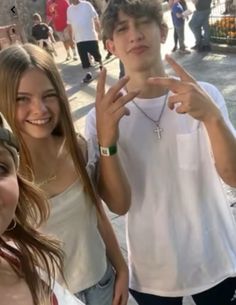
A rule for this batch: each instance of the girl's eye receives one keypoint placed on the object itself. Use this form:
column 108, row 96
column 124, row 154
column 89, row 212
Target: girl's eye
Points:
column 22, row 99
column 51, row 96
column 3, row 170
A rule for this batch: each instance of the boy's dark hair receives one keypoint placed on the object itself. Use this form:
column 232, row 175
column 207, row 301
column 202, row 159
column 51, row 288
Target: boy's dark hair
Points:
column 134, row 8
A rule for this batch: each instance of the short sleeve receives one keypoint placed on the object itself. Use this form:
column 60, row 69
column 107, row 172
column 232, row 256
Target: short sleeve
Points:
column 220, row 103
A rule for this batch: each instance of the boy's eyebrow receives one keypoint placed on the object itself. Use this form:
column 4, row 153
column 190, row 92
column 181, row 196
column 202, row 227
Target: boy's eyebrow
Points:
column 121, row 22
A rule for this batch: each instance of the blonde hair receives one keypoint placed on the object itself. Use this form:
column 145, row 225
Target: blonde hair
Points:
column 14, row 61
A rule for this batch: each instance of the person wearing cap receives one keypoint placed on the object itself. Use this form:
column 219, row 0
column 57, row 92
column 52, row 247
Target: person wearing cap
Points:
column 23, row 250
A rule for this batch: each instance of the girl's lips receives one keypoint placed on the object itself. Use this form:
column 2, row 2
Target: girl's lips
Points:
column 39, row 121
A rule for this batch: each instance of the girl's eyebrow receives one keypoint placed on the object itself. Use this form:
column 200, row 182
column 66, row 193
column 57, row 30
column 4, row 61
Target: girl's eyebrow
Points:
column 27, row 93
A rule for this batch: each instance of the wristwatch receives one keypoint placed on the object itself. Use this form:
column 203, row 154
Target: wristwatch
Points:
column 108, row 151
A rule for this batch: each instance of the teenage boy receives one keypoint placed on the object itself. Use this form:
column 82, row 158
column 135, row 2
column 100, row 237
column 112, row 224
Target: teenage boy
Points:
column 175, row 146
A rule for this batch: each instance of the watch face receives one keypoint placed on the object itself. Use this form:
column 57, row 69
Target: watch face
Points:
column 104, row 151
column 108, row 151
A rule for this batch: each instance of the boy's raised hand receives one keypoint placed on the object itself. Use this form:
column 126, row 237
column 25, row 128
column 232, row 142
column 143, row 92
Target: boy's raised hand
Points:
column 110, row 108
column 188, row 96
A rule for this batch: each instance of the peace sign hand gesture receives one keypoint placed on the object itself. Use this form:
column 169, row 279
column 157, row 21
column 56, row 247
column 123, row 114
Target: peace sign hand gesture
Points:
column 188, row 96
column 110, row 108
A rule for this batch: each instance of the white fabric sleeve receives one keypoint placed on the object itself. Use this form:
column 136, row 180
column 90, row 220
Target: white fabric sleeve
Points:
column 68, row 19
column 92, row 10
column 220, row 102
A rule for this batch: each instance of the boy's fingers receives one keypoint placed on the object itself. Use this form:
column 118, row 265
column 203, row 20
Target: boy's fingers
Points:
column 179, row 70
column 114, row 90
column 101, row 85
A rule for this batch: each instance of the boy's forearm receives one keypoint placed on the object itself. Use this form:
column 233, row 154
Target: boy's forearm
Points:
column 223, row 145
column 113, row 250
column 113, row 185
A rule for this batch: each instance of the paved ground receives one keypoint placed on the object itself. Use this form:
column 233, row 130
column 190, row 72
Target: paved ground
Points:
column 215, row 68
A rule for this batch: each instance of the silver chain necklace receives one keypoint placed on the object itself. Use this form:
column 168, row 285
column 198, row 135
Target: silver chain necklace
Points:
column 158, row 130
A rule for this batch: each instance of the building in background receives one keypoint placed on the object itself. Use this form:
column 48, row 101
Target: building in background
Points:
column 20, row 12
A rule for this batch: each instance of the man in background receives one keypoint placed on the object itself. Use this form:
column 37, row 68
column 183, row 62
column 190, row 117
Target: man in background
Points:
column 199, row 24
column 57, row 12
column 83, row 21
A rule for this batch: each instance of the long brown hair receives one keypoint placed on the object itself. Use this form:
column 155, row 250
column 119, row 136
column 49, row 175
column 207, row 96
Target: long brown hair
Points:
column 32, row 250
column 14, row 61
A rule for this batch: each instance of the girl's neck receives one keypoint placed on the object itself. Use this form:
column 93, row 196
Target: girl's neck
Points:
column 43, row 150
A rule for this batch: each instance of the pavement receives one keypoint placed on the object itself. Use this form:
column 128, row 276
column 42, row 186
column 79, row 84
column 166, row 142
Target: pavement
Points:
column 216, row 68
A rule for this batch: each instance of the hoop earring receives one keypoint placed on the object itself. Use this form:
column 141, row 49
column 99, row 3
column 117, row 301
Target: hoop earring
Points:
column 12, row 227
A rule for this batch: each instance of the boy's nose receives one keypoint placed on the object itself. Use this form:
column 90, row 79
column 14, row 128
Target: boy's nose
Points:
column 135, row 34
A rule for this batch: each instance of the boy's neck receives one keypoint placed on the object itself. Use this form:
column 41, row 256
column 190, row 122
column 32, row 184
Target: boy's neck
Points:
column 138, row 81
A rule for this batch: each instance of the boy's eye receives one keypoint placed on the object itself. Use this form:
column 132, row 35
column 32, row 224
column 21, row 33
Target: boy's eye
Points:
column 121, row 28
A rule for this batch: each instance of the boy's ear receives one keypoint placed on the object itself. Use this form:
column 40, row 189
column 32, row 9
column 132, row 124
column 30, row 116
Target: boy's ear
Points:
column 110, row 46
column 164, row 32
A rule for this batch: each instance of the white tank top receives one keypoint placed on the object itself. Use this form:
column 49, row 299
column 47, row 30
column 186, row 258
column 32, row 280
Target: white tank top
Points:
column 73, row 220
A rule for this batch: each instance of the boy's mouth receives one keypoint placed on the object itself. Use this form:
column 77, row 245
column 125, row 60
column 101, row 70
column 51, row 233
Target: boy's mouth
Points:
column 138, row 49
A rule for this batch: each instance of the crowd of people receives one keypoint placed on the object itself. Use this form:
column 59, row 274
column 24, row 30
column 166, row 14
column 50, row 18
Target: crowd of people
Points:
column 156, row 148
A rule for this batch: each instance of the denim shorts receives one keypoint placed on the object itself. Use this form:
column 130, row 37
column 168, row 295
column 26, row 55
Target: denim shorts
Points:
column 102, row 292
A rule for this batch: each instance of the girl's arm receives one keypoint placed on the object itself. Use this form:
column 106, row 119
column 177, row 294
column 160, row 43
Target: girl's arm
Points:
column 116, row 258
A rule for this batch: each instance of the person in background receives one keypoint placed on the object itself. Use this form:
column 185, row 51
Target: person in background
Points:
column 43, row 34
column 180, row 229
column 178, row 19
column 57, row 12
column 199, row 25
column 59, row 161
column 83, row 21
column 184, row 6
column 24, row 251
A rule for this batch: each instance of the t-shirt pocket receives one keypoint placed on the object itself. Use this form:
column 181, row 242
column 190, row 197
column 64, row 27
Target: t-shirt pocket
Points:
column 189, row 150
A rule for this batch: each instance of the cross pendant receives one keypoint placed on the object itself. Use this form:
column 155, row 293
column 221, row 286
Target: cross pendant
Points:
column 158, row 130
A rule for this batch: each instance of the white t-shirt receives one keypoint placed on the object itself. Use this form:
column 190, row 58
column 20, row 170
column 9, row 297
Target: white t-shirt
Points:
column 180, row 230
column 81, row 18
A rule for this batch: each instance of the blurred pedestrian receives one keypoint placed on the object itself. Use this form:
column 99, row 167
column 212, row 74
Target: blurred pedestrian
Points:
column 83, row 22
column 199, row 24
column 178, row 19
column 57, row 11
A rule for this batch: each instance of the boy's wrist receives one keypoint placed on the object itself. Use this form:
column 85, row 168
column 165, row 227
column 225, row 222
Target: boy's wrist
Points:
column 108, row 151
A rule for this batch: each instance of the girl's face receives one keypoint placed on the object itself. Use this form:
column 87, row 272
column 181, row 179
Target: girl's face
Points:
column 9, row 190
column 37, row 105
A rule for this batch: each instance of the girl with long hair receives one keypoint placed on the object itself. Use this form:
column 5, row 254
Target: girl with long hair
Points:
column 24, row 251
column 34, row 101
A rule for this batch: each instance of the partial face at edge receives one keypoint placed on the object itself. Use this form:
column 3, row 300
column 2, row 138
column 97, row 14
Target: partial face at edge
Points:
column 9, row 189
